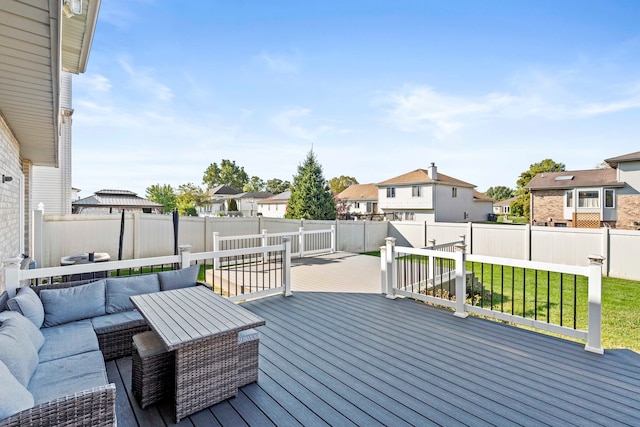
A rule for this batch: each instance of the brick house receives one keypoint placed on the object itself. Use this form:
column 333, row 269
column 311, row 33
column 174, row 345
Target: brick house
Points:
column 589, row 198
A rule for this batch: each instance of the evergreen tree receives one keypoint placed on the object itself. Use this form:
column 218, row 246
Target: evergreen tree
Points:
column 310, row 194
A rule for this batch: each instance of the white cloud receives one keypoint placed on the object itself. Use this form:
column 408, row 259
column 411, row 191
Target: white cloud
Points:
column 285, row 123
column 143, row 81
column 278, row 64
column 94, row 82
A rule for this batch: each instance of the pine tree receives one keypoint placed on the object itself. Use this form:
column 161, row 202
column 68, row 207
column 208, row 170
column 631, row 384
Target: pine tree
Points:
column 310, row 195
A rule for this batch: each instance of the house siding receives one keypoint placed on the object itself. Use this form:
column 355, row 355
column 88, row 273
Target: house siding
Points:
column 11, row 232
column 548, row 204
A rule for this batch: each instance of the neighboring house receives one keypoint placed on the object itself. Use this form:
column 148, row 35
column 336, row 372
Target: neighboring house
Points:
column 360, row 199
column 274, row 206
column 219, row 198
column 428, row 195
column 113, row 201
column 589, row 198
column 39, row 44
column 503, row 207
column 248, row 202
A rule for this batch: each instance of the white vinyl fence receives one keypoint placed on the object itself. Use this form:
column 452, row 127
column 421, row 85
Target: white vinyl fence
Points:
column 147, row 235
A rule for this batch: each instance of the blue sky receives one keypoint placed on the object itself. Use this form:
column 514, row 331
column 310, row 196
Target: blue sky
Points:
column 378, row 88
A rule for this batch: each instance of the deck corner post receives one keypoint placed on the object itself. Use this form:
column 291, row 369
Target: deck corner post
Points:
column 286, row 268
column 383, row 270
column 216, row 248
column 390, row 255
column 185, row 255
column 461, row 291
column 594, row 329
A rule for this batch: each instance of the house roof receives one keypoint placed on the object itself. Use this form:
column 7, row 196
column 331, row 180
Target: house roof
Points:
column 421, row 176
column 116, row 198
column 506, row 202
column 573, row 179
column 480, row 197
column 223, row 190
column 631, row 157
column 255, row 195
column 38, row 41
column 278, row 198
column 359, row 192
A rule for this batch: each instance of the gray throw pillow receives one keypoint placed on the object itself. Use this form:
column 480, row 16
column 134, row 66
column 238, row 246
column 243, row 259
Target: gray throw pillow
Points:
column 120, row 289
column 74, row 303
column 14, row 397
column 27, row 303
column 4, row 297
column 36, row 337
column 176, row 279
column 17, row 351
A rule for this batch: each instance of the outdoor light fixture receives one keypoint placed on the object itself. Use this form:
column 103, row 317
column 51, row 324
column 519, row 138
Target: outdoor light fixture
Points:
column 72, row 7
column 6, row 178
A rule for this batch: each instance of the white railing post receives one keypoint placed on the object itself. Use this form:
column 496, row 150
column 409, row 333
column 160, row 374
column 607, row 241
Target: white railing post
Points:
column 461, row 272
column 286, row 268
column 38, row 235
column 390, row 268
column 12, row 275
column 594, row 330
column 264, row 244
column 333, row 238
column 300, row 242
column 216, row 248
column 185, row 255
column 432, row 263
column 383, row 270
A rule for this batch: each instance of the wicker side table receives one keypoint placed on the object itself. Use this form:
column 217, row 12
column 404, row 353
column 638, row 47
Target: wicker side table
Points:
column 248, row 347
column 152, row 374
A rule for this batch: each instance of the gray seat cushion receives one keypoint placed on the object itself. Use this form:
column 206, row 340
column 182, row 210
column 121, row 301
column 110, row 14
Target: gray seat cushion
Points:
column 121, row 288
column 74, row 303
column 27, row 303
column 17, row 351
column 14, row 397
column 36, row 337
column 68, row 340
column 72, row 374
column 176, row 279
column 117, row 321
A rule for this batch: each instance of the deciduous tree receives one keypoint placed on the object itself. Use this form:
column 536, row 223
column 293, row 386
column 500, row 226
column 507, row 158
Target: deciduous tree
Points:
column 500, row 192
column 339, row 184
column 163, row 194
column 277, row 186
column 228, row 173
column 254, row 185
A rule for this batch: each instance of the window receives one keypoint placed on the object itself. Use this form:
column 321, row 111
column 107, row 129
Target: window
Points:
column 391, row 192
column 454, row 192
column 569, row 197
column 356, row 205
column 609, row 199
column 588, row 199
column 409, row 216
column 416, row 191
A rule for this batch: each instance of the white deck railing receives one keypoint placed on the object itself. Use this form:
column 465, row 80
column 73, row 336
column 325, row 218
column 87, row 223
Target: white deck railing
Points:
column 16, row 277
column 303, row 242
column 421, row 285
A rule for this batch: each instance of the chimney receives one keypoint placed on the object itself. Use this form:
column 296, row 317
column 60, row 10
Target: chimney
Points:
column 433, row 171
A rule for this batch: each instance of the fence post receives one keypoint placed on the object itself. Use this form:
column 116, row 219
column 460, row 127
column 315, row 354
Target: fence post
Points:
column 300, row 242
column 216, row 248
column 333, row 238
column 461, row 285
column 38, row 235
column 12, row 275
column 286, row 269
column 390, row 256
column 185, row 255
column 594, row 330
column 527, row 242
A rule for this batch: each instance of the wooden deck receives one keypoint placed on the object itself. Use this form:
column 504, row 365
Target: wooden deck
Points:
column 357, row 358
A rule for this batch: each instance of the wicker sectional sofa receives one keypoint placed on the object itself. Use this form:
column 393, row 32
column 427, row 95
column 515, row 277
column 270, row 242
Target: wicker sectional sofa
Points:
column 54, row 340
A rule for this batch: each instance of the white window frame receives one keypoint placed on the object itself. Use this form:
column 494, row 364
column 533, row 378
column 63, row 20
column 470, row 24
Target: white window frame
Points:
column 568, row 199
column 613, row 198
column 454, row 192
column 391, row 192
column 416, row 191
column 582, row 201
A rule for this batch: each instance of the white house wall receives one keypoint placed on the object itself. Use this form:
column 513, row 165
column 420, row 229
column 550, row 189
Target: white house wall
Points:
column 629, row 172
column 404, row 198
column 452, row 209
column 273, row 210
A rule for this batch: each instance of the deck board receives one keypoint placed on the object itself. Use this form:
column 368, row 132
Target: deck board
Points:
column 329, row 358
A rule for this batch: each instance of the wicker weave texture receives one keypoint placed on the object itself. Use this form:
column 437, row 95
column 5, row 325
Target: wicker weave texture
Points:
column 115, row 344
column 94, row 407
column 248, row 362
column 206, row 373
column 152, row 378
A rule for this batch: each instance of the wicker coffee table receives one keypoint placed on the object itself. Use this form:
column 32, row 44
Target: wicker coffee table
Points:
column 201, row 328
